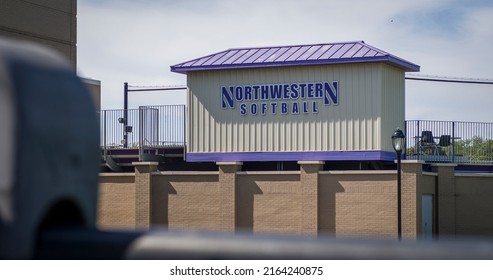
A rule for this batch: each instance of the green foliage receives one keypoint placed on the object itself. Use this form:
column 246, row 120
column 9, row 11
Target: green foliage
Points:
column 476, row 149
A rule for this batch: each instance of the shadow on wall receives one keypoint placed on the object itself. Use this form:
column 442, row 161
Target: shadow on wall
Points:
column 245, row 197
column 327, row 208
column 185, row 202
column 351, row 205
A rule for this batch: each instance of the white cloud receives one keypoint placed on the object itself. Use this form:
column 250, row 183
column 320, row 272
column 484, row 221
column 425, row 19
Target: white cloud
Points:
column 137, row 41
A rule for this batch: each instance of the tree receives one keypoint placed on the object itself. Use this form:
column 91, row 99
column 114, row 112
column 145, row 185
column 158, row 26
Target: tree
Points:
column 475, row 149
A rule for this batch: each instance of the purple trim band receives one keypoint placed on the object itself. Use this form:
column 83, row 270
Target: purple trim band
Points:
column 291, row 156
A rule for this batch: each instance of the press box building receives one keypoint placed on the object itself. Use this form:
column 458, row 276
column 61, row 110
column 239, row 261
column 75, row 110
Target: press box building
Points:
column 315, row 109
column 326, row 102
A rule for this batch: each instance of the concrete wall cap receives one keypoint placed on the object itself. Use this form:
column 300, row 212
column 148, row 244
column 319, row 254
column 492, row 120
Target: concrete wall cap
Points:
column 186, row 173
column 117, row 174
column 291, row 172
column 311, row 162
column 444, row 164
column 463, row 174
column 359, row 172
column 412, row 161
column 144, row 163
column 229, row 163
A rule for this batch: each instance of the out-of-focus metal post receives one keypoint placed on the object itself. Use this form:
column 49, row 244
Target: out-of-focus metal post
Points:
column 125, row 115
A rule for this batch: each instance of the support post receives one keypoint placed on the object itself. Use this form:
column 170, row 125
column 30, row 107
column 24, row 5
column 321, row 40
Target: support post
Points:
column 309, row 196
column 412, row 179
column 399, row 197
column 141, row 133
column 143, row 193
column 445, row 199
column 227, row 192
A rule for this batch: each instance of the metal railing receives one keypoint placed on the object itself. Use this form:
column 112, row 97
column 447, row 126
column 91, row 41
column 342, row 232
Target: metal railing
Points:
column 147, row 127
column 450, row 141
column 172, row 126
column 432, row 141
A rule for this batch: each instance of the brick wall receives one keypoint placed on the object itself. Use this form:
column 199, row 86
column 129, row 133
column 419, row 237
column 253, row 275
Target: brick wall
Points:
column 192, row 199
column 309, row 201
column 309, row 187
column 474, row 205
column 358, row 204
column 269, row 202
column 116, row 203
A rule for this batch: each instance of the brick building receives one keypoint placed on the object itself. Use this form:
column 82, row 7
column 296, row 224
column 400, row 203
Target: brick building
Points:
column 331, row 102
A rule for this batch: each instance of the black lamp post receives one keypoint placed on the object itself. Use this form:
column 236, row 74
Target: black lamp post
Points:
column 398, row 142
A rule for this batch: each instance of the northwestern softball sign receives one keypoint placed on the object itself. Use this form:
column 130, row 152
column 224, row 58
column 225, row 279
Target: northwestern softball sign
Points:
column 273, row 99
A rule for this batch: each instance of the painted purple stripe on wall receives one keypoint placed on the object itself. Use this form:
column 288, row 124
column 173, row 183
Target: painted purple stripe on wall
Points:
column 291, row 156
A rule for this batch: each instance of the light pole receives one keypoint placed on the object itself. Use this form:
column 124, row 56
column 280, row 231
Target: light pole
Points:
column 125, row 115
column 398, row 142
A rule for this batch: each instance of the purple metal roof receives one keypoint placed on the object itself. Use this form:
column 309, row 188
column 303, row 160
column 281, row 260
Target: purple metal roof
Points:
column 331, row 53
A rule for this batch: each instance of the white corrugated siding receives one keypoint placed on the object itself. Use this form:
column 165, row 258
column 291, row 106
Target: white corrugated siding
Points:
column 355, row 124
column 393, row 104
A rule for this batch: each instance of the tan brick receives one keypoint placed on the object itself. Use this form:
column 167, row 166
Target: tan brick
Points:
column 143, row 190
column 309, row 201
column 116, row 202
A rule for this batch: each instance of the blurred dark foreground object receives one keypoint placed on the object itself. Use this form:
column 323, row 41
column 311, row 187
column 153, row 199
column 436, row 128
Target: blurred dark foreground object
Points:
column 49, row 163
column 50, row 147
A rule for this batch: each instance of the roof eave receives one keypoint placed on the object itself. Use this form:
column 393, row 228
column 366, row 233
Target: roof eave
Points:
column 405, row 65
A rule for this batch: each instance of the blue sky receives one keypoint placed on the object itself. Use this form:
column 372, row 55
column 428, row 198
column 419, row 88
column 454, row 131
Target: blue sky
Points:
column 136, row 42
